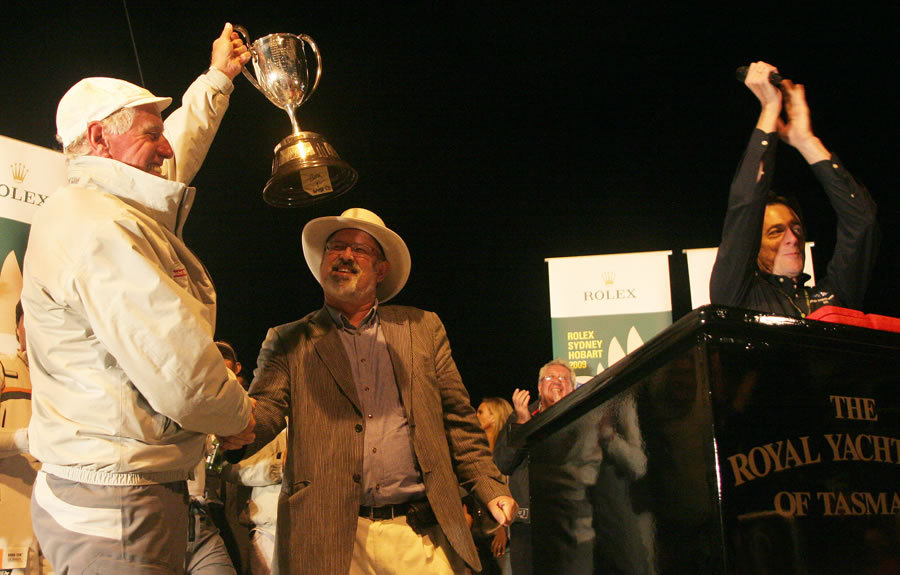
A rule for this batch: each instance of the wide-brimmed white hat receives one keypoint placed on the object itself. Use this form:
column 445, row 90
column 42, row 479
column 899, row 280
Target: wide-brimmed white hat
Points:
column 317, row 232
column 93, row 99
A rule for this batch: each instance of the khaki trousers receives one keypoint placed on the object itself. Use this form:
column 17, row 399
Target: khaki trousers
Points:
column 391, row 547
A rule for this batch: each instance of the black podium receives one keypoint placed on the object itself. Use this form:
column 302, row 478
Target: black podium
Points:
column 733, row 442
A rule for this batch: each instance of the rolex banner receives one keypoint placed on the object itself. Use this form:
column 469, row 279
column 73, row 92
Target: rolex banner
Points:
column 603, row 307
column 28, row 175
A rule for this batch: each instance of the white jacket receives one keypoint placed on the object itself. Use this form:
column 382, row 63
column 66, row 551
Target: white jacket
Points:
column 120, row 318
column 263, row 472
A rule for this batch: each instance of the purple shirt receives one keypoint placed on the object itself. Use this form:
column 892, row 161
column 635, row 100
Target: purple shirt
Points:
column 390, row 471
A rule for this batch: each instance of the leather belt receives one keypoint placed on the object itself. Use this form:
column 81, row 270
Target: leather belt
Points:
column 383, row 512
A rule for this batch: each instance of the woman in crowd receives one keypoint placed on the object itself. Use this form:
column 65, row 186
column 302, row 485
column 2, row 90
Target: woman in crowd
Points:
column 490, row 539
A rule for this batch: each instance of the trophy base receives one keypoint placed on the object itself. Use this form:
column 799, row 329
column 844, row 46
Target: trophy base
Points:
column 306, row 170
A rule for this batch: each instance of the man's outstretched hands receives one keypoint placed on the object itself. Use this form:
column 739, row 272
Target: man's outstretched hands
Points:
column 229, row 54
column 769, row 96
column 798, row 130
column 504, row 509
column 521, row 398
column 243, row 438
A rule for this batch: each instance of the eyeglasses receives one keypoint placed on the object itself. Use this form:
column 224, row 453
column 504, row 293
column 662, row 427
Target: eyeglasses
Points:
column 549, row 378
column 359, row 250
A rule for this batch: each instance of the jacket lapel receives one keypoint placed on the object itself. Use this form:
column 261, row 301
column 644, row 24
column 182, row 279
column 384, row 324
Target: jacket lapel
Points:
column 331, row 351
column 395, row 328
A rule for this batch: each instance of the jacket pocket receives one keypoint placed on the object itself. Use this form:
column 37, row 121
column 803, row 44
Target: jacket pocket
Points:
column 297, row 487
column 142, row 421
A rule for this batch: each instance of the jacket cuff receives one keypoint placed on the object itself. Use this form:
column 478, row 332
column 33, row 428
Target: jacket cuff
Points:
column 219, row 80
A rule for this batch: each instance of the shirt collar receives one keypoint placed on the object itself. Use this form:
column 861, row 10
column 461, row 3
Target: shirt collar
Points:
column 782, row 281
column 343, row 323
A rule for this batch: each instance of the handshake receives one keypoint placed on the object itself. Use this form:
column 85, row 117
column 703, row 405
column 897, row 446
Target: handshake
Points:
column 243, row 438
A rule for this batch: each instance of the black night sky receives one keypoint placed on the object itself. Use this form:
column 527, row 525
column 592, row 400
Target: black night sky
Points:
column 490, row 136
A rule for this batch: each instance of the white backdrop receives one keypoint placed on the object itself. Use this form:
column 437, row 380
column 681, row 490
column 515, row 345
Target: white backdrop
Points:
column 28, row 175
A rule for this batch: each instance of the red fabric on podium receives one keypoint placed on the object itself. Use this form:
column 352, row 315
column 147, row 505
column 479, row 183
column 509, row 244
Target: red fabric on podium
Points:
column 835, row 314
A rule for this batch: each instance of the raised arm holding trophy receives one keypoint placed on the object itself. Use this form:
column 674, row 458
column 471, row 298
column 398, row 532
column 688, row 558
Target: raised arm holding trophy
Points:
column 306, row 169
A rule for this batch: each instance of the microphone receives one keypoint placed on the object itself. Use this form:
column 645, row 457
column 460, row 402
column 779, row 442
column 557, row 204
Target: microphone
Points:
column 774, row 77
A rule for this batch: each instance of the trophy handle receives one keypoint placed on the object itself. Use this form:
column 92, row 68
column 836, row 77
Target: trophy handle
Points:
column 245, row 36
column 315, row 49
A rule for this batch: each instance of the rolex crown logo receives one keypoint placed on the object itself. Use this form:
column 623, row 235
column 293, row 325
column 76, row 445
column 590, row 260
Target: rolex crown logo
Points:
column 609, row 278
column 19, row 171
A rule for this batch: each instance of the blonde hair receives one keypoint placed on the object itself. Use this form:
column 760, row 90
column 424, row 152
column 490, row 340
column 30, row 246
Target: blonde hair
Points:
column 500, row 409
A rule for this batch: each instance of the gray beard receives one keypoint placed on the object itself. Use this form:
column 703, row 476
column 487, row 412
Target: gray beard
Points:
column 345, row 290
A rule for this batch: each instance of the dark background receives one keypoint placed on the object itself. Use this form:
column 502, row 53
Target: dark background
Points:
column 489, row 136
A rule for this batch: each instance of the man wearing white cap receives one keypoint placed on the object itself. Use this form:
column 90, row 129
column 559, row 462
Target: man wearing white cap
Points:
column 381, row 432
column 120, row 317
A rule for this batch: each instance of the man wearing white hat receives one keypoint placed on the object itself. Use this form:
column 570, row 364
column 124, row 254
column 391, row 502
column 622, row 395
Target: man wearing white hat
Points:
column 120, row 317
column 381, row 433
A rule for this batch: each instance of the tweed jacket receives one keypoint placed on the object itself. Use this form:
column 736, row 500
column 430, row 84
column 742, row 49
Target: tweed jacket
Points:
column 303, row 372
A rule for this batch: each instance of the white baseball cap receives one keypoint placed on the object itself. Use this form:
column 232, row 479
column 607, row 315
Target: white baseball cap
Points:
column 93, row 99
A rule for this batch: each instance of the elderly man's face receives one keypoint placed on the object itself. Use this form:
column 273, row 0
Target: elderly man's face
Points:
column 143, row 146
column 781, row 250
column 555, row 384
column 352, row 267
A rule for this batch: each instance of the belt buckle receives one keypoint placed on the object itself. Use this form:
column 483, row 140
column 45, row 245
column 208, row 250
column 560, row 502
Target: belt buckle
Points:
column 371, row 512
column 388, row 512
